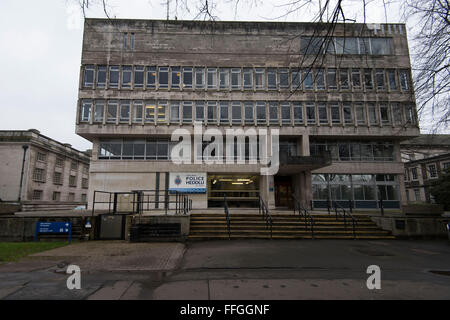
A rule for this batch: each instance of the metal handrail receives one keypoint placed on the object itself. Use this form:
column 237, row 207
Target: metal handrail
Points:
column 227, row 215
column 344, row 213
column 264, row 210
column 303, row 212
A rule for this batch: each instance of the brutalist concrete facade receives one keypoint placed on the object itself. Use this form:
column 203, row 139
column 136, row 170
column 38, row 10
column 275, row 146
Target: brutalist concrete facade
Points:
column 350, row 94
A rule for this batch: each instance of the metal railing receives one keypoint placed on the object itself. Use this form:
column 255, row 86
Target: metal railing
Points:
column 264, row 211
column 303, row 212
column 339, row 210
column 139, row 201
column 227, row 215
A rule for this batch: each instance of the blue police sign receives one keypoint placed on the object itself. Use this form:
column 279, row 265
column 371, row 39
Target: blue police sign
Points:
column 53, row 227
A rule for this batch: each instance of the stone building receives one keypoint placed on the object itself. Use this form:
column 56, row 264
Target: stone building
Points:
column 42, row 173
column 339, row 106
column 425, row 157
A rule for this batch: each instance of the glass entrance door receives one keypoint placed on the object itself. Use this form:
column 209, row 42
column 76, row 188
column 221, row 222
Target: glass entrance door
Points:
column 240, row 190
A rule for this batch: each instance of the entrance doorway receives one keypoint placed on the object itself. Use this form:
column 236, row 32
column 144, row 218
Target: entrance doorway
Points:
column 283, row 192
column 240, row 190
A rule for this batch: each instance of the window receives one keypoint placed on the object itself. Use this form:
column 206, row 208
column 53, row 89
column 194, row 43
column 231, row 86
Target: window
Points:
column 249, row 112
column 174, row 112
column 83, row 197
column 99, row 111
column 414, row 173
column 248, row 78
column 39, row 175
column 409, row 114
column 348, row 113
column 224, row 78
column 162, row 112
column 212, row 112
column 150, row 108
column 346, row 45
column 175, row 73
column 124, row 111
column 126, row 77
column 446, row 165
column 200, row 111
column 151, row 77
column 392, row 80
column 132, row 42
column 271, row 79
column 85, row 169
column 187, row 111
column 364, row 45
column 320, row 79
column 397, row 111
column 72, row 181
column 368, row 81
column 137, row 111
column 285, row 112
column 125, row 38
column 84, row 183
column 73, row 165
column 432, row 171
column 157, row 149
column 236, row 79
column 273, row 112
column 187, row 78
column 224, row 117
column 200, row 78
column 259, row 78
column 308, row 79
column 417, row 194
column 356, row 79
column 380, row 79
column 284, row 78
column 384, row 112
column 343, row 79
column 298, row 112
column 331, row 79
column 212, row 78
column 404, row 80
column 312, row 45
column 56, row 196
column 381, row 46
column 335, row 113
column 373, row 114
column 114, row 77
column 236, row 112
column 310, row 112
column 88, row 79
column 360, row 113
column 85, row 115
column 37, row 194
column 163, row 77
column 59, row 162
column 261, row 117
column 296, row 80
column 57, row 178
column 323, row 113
column 101, row 77
column 41, row 157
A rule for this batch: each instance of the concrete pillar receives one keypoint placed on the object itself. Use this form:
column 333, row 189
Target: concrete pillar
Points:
column 307, row 188
column 267, row 190
column 305, row 145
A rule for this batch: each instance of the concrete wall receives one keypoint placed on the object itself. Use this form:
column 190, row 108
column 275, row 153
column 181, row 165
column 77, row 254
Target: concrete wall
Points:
column 427, row 227
column 11, row 156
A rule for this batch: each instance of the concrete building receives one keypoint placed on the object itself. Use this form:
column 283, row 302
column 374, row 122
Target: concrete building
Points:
column 341, row 106
column 41, row 173
column 425, row 157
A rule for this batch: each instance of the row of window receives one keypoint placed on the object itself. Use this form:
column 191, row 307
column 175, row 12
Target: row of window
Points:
column 431, row 171
column 39, row 175
column 59, row 162
column 354, row 151
column 347, row 45
column 152, row 77
column 355, row 187
column 245, row 112
column 56, row 196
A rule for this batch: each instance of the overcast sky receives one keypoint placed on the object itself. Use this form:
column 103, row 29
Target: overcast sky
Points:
column 41, row 53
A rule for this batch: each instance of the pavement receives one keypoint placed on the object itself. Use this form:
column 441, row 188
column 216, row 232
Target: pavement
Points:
column 237, row 269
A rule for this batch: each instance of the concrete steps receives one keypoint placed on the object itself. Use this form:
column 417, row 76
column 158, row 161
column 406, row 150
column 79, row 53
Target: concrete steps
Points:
column 250, row 225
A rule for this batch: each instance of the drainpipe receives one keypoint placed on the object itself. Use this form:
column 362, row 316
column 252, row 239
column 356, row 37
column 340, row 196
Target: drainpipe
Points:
column 25, row 147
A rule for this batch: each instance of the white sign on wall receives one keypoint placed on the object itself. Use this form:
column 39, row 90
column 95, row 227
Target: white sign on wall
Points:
column 187, row 182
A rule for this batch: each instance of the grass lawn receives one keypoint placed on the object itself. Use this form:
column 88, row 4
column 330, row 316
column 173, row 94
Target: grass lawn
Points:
column 13, row 251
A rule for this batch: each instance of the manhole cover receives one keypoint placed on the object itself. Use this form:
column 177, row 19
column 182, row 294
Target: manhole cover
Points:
column 441, row 272
column 374, row 253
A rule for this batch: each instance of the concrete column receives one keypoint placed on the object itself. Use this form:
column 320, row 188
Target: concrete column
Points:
column 305, row 145
column 307, row 188
column 402, row 190
column 267, row 190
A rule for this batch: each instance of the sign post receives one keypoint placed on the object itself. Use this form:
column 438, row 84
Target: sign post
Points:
column 53, row 227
